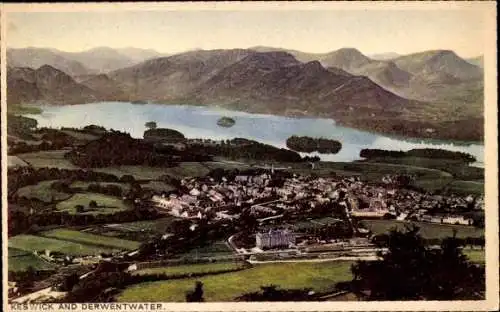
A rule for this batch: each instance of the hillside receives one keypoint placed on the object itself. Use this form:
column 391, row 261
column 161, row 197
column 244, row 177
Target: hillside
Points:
column 420, row 91
column 45, row 84
column 106, row 88
column 171, row 78
column 36, row 57
column 93, row 61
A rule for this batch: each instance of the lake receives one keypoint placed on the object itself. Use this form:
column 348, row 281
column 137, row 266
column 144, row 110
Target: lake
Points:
column 201, row 122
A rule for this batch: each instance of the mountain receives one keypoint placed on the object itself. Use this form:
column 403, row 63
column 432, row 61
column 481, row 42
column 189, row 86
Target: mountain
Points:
column 269, row 82
column 275, row 82
column 478, row 61
column 138, row 55
column 101, row 59
column 36, row 57
column 93, row 61
column 45, row 84
column 172, row 77
column 348, row 59
column 106, row 88
column 303, row 57
column 443, row 61
column 384, row 56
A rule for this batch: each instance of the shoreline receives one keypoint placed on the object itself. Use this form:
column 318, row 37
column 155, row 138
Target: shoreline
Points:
column 410, row 139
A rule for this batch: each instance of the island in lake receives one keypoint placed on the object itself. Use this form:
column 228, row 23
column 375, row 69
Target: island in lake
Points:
column 306, row 144
column 226, row 122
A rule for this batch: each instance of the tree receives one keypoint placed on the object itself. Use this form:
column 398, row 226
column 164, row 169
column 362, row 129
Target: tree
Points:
column 195, row 295
column 79, row 208
column 69, row 281
column 410, row 270
column 151, row 125
column 93, row 204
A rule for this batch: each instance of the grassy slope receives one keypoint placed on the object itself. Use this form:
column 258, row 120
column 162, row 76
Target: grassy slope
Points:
column 190, row 268
column 106, row 204
column 428, row 230
column 38, row 243
column 91, row 239
column 43, row 192
column 225, row 287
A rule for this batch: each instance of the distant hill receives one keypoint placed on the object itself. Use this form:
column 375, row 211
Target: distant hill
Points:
column 172, row 77
column 478, row 61
column 422, row 94
column 45, row 84
column 106, row 88
column 93, row 61
column 271, row 82
column 139, row 55
column 36, row 57
column 384, row 56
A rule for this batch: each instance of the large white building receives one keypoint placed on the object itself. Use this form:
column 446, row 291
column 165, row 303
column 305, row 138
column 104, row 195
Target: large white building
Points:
column 274, row 239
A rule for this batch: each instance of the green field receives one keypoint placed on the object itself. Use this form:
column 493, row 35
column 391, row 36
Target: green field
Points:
column 18, row 109
column 320, row 276
column 190, row 268
column 31, row 243
column 85, row 184
column 91, row 239
column 105, row 204
column 20, row 260
column 217, row 248
column 158, row 186
column 475, row 255
column 158, row 226
column 427, row 230
column 184, row 169
column 50, row 159
column 22, row 263
column 42, row 191
column 466, row 187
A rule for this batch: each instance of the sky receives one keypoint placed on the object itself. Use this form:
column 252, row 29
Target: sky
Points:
column 318, row 31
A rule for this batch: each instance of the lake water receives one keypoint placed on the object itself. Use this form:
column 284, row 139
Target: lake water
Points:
column 201, row 122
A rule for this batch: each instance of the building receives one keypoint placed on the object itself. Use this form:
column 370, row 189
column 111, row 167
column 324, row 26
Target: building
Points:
column 274, row 239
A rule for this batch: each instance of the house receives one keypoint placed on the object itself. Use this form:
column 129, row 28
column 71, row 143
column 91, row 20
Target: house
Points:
column 274, row 239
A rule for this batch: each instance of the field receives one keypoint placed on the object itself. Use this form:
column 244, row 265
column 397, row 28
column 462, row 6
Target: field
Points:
column 320, row 276
column 16, row 161
column 105, row 204
column 20, row 260
column 158, row 186
column 427, row 230
column 91, row 239
column 136, row 231
column 84, row 185
column 218, row 248
column 475, row 255
column 42, row 191
column 190, row 268
column 466, row 187
column 50, row 159
column 184, row 169
column 18, row 109
column 31, row 243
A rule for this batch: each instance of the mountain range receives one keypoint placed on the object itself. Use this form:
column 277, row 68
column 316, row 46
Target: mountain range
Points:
column 342, row 84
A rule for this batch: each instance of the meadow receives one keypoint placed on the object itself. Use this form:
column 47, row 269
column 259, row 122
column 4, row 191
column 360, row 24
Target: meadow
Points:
column 49, row 159
column 320, row 276
column 105, row 204
column 43, row 192
column 427, row 230
column 190, row 268
column 91, row 239
column 21, row 260
column 38, row 243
